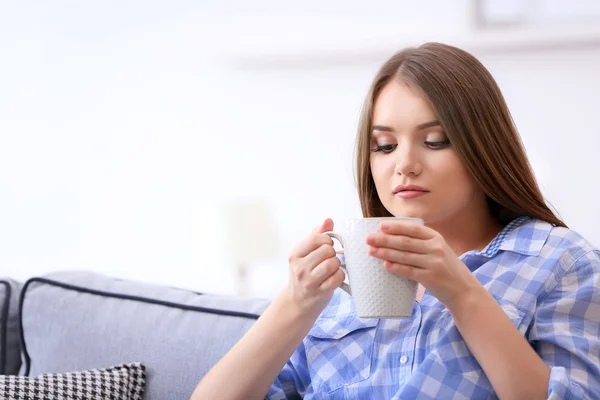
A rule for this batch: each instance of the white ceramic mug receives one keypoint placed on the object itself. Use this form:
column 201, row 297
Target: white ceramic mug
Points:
column 377, row 292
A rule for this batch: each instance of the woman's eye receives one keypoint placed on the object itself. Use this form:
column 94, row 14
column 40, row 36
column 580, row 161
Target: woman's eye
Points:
column 438, row 144
column 385, row 148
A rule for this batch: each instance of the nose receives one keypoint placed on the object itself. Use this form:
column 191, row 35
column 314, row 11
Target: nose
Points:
column 408, row 161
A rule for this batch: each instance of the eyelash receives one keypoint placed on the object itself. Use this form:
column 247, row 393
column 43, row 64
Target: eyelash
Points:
column 388, row 148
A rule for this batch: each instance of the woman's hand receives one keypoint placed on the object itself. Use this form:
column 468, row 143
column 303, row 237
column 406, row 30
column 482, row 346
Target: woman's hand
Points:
column 421, row 254
column 314, row 270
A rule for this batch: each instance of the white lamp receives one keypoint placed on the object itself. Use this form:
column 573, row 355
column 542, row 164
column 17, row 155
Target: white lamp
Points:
column 250, row 236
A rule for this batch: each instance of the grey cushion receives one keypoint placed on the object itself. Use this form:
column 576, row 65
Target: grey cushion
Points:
column 82, row 320
column 10, row 358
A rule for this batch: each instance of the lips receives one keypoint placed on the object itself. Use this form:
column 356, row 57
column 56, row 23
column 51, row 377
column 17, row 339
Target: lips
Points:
column 409, row 188
column 409, row 191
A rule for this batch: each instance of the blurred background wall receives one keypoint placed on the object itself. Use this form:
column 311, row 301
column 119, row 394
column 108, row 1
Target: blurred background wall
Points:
column 131, row 131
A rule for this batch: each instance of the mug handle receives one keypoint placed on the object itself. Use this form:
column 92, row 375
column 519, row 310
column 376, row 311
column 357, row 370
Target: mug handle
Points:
column 335, row 235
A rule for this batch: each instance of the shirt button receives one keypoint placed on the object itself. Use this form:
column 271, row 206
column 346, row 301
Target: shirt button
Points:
column 340, row 332
column 403, row 360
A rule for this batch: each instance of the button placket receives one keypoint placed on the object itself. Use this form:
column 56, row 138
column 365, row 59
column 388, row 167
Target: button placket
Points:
column 409, row 359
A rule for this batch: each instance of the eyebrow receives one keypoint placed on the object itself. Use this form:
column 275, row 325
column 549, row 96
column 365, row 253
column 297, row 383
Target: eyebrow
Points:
column 420, row 126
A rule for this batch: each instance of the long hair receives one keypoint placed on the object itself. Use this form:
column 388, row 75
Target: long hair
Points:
column 473, row 113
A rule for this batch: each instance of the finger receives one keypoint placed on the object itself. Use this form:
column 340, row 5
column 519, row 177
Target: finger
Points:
column 326, row 226
column 319, row 255
column 334, row 281
column 405, row 271
column 407, row 229
column 399, row 256
column 310, row 244
column 323, row 271
column 398, row 242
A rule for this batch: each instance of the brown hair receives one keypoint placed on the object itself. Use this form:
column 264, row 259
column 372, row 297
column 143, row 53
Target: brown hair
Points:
column 473, row 113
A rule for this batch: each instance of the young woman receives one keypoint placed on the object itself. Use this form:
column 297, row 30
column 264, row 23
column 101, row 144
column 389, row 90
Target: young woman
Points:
column 509, row 299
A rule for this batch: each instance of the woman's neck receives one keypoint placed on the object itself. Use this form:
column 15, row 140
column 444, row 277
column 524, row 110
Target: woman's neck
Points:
column 472, row 232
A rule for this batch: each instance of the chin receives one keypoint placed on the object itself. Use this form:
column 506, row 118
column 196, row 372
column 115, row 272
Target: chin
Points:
column 408, row 213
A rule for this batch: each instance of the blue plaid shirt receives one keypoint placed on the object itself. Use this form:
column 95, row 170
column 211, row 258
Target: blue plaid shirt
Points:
column 546, row 279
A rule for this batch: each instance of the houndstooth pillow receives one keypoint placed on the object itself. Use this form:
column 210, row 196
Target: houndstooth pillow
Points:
column 121, row 382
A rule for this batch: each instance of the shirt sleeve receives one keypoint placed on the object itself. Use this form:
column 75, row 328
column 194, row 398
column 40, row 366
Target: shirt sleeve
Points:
column 292, row 381
column 566, row 330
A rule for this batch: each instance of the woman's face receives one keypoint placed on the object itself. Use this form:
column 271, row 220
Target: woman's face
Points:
column 409, row 147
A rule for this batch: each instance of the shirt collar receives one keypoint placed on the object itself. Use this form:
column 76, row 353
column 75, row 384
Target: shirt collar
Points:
column 523, row 235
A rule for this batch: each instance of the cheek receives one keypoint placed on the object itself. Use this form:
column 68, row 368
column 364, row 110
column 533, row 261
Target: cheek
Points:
column 380, row 169
column 455, row 178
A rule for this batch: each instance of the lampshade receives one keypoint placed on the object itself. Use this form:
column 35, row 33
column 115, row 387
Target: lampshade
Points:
column 249, row 231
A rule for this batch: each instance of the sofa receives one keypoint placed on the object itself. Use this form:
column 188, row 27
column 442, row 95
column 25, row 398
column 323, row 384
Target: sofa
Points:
column 77, row 320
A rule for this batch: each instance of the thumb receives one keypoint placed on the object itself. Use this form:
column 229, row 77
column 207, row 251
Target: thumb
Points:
column 326, row 226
